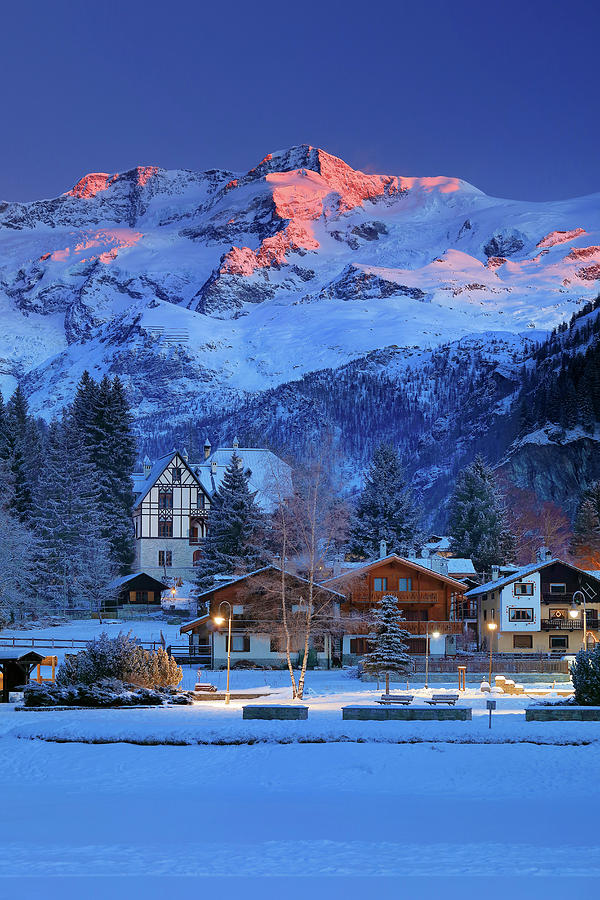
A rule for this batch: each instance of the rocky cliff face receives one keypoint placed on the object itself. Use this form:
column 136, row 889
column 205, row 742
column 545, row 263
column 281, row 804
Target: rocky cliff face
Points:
column 215, row 292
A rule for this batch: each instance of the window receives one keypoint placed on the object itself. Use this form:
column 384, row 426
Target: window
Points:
column 405, row 584
column 520, row 615
column 484, row 615
column 358, row 645
column 276, row 645
column 240, row 643
column 194, row 534
column 523, row 589
column 141, row 596
column 165, row 529
column 197, row 558
column 165, row 558
column 176, row 475
column 559, row 642
column 318, row 643
column 522, row 641
column 558, row 589
column 380, row 584
column 165, row 499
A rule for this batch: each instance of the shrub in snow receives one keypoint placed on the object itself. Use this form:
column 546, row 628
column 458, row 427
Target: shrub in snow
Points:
column 106, row 693
column 389, row 641
column 119, row 658
column 585, row 675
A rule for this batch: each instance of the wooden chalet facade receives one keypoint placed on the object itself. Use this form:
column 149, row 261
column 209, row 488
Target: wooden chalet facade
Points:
column 429, row 600
column 257, row 629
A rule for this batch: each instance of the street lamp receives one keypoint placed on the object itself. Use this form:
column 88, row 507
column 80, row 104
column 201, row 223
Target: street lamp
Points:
column 434, row 634
column 574, row 612
column 492, row 627
column 219, row 620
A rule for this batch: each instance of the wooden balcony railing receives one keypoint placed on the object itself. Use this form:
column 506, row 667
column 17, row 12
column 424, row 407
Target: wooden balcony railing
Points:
column 426, row 597
column 569, row 624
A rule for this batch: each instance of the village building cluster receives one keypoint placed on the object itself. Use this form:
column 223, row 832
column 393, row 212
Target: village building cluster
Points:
column 550, row 607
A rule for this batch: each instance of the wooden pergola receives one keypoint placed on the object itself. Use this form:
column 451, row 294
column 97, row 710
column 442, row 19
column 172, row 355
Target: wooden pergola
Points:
column 16, row 665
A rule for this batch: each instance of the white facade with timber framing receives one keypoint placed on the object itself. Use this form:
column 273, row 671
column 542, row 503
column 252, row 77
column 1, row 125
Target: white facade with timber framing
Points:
column 169, row 518
column 172, row 504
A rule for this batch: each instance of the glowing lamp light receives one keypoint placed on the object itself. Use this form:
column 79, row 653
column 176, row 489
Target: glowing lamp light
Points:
column 492, row 626
column 573, row 612
column 435, row 634
column 218, row 620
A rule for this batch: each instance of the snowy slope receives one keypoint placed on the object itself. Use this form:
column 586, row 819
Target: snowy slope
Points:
column 199, row 289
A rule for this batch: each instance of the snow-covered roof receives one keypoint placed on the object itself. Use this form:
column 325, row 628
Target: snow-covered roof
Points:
column 265, row 469
column 142, row 483
column 522, row 573
column 438, row 543
column 236, row 578
column 456, row 565
column 125, row 579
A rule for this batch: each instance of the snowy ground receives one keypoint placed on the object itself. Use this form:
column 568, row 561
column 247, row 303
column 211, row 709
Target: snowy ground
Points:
column 451, row 815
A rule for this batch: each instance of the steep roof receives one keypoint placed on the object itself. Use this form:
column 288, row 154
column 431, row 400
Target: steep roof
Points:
column 144, row 483
column 373, row 564
column 126, row 579
column 522, row 573
column 264, row 467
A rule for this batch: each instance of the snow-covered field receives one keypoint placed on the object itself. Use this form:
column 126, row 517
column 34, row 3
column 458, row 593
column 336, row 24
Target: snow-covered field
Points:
column 462, row 811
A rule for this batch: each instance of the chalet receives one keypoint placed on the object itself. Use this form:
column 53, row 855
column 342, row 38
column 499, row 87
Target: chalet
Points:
column 257, row 630
column 172, row 504
column 539, row 609
column 138, row 588
column 431, row 601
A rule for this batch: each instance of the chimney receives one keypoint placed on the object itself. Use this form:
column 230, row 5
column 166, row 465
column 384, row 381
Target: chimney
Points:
column 543, row 555
column 495, row 573
column 213, row 467
column 382, row 549
column 206, row 448
column 147, row 465
column 236, row 443
column 337, row 564
column 184, row 455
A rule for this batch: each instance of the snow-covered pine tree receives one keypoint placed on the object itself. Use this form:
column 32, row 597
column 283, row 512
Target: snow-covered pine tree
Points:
column 389, row 641
column 72, row 556
column 235, row 530
column 386, row 510
column 24, row 453
column 478, row 520
column 104, row 421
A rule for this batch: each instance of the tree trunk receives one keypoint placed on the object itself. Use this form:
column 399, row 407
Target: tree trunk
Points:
column 286, row 629
column 387, row 682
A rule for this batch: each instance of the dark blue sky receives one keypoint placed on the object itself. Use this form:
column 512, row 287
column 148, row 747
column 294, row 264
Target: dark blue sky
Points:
column 505, row 95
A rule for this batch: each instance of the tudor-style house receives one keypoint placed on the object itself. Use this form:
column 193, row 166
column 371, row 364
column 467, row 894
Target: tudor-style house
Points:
column 432, row 601
column 539, row 609
column 171, row 511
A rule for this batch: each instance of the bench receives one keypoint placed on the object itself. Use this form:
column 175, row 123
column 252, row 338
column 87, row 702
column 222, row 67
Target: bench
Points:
column 436, row 699
column 404, row 699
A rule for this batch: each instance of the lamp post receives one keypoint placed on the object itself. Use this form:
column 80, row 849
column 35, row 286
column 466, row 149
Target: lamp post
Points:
column 492, row 627
column 219, row 620
column 573, row 612
column 434, row 634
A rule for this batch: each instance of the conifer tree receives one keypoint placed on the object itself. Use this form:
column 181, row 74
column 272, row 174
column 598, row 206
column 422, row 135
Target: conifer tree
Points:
column 585, row 546
column 386, row 510
column 232, row 545
column 389, row 642
column 24, row 453
column 73, row 564
column 478, row 522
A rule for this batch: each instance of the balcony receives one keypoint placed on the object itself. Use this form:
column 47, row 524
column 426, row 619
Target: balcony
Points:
column 568, row 624
column 404, row 597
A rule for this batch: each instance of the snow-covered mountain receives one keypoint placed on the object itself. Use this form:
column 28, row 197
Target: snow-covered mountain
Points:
column 205, row 290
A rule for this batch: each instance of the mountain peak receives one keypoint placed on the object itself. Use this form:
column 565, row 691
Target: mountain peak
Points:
column 95, row 182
